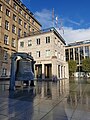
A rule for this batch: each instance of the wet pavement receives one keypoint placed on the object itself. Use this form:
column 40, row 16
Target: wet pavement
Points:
column 61, row 100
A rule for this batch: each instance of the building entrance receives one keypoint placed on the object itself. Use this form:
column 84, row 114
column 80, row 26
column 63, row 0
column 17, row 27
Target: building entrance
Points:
column 48, row 70
column 38, row 69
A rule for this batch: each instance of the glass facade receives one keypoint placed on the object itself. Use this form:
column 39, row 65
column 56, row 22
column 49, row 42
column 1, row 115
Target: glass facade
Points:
column 71, row 53
column 67, row 54
column 78, row 53
column 86, row 51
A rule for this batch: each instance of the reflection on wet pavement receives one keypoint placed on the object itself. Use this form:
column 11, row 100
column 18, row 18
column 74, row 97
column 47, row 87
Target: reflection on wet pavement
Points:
column 61, row 100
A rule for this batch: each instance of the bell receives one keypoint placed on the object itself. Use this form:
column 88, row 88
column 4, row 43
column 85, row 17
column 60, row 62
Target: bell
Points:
column 24, row 70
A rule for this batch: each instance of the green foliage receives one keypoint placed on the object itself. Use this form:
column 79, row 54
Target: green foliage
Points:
column 86, row 65
column 72, row 66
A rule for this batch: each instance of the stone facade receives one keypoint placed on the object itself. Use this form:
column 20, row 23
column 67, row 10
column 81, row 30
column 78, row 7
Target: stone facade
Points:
column 16, row 21
column 48, row 50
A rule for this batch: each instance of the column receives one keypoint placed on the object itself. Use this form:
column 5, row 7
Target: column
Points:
column 43, row 72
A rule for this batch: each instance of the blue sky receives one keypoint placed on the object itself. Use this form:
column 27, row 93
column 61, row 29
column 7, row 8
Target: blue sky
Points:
column 74, row 15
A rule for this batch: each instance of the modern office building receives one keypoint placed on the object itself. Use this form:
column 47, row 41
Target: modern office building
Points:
column 48, row 50
column 16, row 21
column 78, row 51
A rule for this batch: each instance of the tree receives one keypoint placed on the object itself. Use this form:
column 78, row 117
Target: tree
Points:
column 86, row 65
column 72, row 67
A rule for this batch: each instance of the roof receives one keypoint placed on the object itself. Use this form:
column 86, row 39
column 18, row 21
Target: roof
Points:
column 76, row 43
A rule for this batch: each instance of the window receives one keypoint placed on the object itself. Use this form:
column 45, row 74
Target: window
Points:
column 0, row 21
column 55, row 53
column 29, row 42
column 20, row 11
column 25, row 25
column 29, row 18
column 59, row 55
column 7, row 12
column 30, row 53
column 21, row 44
column 24, row 34
column 14, row 6
column 0, row 7
column 48, row 39
column 5, row 56
column 14, row 29
column 38, row 41
column 4, row 72
column 33, row 22
column 25, row 15
column 13, row 42
column 37, row 54
column 19, row 32
column 32, row 30
column 20, row 21
column 29, row 27
column 8, row 1
column 47, row 53
column 56, row 41
column 14, row 17
column 59, row 43
column 6, row 25
column 6, row 39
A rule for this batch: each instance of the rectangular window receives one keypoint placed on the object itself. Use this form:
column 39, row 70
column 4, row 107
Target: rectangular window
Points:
column 7, row 12
column 14, row 17
column 20, row 21
column 0, row 21
column 6, row 39
column 33, row 22
column 0, row 7
column 25, row 15
column 25, row 25
column 55, row 53
column 37, row 54
column 48, row 39
column 29, row 27
column 30, row 53
column 6, row 25
column 4, row 72
column 19, row 32
column 47, row 53
column 13, row 42
column 21, row 44
column 20, row 11
column 29, row 42
column 5, row 56
column 29, row 18
column 14, row 6
column 32, row 30
column 24, row 34
column 58, row 55
column 13, row 29
column 38, row 41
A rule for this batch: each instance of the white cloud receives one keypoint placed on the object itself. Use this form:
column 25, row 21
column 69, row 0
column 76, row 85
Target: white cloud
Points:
column 70, row 34
column 44, row 17
column 73, row 22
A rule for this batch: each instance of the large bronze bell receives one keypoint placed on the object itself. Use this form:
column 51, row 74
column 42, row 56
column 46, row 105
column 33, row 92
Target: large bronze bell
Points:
column 24, row 70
